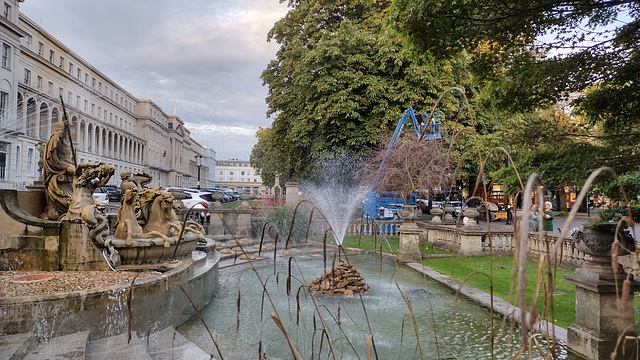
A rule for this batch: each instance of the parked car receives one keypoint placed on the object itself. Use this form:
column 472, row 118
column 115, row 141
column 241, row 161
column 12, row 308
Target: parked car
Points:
column 101, row 196
column 458, row 207
column 198, row 200
column 234, row 195
column 113, row 192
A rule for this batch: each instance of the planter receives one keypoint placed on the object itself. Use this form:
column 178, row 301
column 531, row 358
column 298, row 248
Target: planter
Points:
column 597, row 240
column 408, row 212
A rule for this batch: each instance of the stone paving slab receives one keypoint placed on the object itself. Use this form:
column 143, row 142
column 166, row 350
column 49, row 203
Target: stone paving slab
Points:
column 169, row 344
column 13, row 347
column 117, row 348
column 67, row 347
column 500, row 306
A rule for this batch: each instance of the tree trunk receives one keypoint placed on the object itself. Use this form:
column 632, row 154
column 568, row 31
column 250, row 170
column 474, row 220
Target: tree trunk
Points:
column 561, row 198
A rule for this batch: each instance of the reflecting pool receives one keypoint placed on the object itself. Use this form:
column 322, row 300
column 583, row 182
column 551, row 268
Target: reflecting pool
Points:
column 436, row 324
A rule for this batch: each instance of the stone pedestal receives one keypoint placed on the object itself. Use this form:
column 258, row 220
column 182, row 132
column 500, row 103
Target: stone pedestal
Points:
column 601, row 316
column 471, row 242
column 448, row 218
column 409, row 250
column 77, row 251
column 243, row 225
column 216, row 224
column 292, row 197
column 437, row 213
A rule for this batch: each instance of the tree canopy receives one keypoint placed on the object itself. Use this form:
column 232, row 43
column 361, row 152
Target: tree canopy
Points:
column 530, row 55
column 341, row 79
column 572, row 44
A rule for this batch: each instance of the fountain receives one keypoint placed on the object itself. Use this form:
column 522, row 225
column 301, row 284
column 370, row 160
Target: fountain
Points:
column 338, row 198
column 71, row 274
column 336, row 194
column 404, row 313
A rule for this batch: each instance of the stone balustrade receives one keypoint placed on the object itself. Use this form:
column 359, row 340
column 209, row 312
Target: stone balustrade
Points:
column 471, row 240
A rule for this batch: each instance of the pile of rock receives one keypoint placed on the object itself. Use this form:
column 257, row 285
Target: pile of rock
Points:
column 342, row 279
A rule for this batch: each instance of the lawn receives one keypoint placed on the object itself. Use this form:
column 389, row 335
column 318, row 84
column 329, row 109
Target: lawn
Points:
column 236, row 204
column 477, row 271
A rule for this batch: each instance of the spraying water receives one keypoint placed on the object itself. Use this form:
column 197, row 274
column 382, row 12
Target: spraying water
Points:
column 337, row 194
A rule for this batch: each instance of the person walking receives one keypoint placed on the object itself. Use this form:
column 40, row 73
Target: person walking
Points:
column 548, row 218
column 535, row 217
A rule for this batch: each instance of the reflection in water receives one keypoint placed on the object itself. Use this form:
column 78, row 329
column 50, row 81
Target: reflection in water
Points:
column 447, row 328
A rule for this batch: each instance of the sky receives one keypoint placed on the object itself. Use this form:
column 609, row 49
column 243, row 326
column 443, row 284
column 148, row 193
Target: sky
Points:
column 204, row 55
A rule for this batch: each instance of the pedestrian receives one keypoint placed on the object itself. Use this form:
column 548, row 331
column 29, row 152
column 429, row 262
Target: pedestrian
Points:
column 533, row 221
column 548, row 218
column 509, row 215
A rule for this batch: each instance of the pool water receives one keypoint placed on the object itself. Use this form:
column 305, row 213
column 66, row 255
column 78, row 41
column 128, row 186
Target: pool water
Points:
column 329, row 326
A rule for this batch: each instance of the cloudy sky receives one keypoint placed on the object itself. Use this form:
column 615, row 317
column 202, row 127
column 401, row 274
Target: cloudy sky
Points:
column 206, row 54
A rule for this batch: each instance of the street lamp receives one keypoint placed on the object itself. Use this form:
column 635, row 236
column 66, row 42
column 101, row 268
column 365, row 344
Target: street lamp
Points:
column 199, row 164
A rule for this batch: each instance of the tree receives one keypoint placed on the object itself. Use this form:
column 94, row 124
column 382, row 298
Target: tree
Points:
column 584, row 42
column 529, row 55
column 409, row 165
column 570, row 164
column 341, row 79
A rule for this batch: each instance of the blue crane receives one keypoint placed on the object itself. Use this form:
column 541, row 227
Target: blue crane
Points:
column 383, row 205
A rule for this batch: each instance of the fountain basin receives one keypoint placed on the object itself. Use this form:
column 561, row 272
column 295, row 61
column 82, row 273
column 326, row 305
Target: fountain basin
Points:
column 156, row 302
column 441, row 317
column 152, row 251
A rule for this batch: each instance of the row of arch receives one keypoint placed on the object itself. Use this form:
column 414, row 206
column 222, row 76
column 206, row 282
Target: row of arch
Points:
column 42, row 119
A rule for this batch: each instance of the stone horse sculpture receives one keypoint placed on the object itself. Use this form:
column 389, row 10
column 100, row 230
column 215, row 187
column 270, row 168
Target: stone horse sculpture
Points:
column 157, row 219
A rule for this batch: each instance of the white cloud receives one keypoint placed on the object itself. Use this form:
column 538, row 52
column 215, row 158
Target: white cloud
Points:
column 206, row 54
column 228, row 141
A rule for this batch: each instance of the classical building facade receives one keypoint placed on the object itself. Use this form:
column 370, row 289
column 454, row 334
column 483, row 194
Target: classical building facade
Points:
column 38, row 74
column 238, row 175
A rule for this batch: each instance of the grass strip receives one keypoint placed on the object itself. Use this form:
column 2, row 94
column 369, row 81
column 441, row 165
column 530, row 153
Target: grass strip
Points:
column 236, row 204
column 500, row 270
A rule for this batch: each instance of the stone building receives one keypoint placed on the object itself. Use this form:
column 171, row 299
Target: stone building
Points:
column 238, row 175
column 38, row 73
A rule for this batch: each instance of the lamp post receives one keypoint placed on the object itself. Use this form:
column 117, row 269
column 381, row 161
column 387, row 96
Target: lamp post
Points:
column 199, row 164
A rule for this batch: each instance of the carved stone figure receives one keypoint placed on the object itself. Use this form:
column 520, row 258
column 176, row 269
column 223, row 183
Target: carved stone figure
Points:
column 83, row 205
column 58, row 169
column 127, row 182
column 157, row 214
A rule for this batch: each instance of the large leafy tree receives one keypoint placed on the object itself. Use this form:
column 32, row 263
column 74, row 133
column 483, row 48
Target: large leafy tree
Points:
column 574, row 43
column 340, row 79
column 530, row 54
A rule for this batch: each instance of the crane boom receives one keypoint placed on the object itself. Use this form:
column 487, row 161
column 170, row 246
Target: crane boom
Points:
column 384, row 205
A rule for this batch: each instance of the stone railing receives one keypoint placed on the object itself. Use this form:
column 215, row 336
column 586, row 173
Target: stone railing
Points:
column 361, row 227
column 221, row 223
column 476, row 241
column 568, row 254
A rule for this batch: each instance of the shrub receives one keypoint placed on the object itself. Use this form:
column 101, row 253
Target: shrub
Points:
column 281, row 217
column 615, row 213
